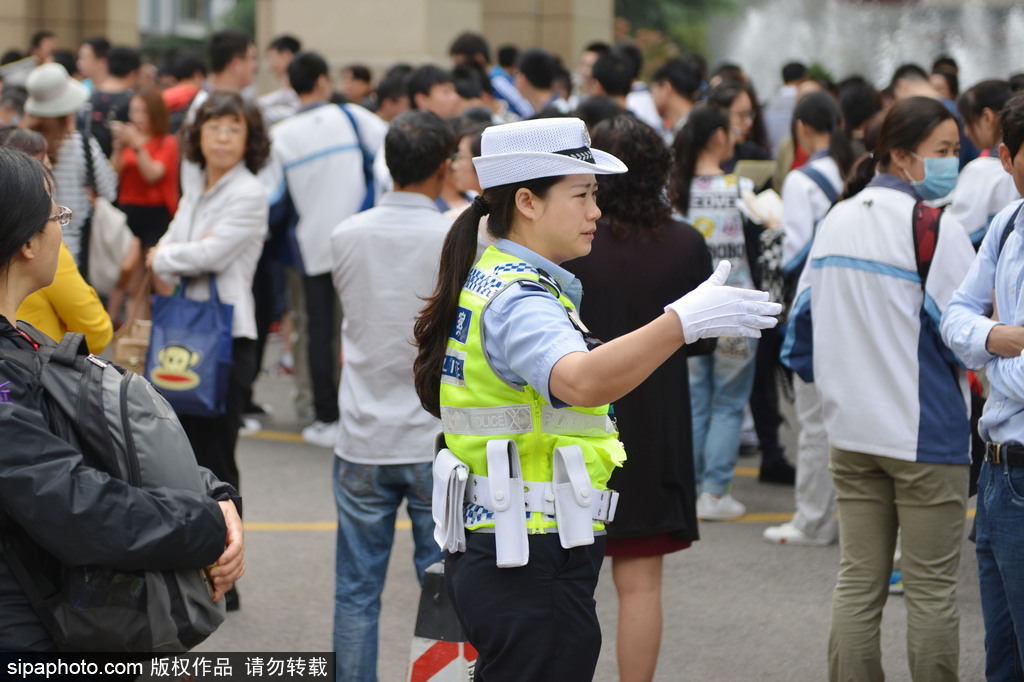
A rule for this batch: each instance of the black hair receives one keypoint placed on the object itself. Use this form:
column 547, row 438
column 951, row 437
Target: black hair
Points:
column 633, row 56
column 945, row 63
column 730, row 72
column 594, row 110
column 225, row 45
column 470, row 80
column 472, row 118
column 285, row 43
column 1011, row 119
column 304, row 70
column 991, row 94
column 25, row 189
column 416, row 145
column 820, row 111
column 703, row 122
column 597, row 47
column 538, row 67
column 359, row 72
column 24, row 140
column 186, row 64
column 39, row 36
column 392, row 86
column 952, row 82
column 905, row 126
column 99, row 45
column 614, row 71
column 13, row 97
column 423, row 79
column 682, row 75
column 1016, row 81
column 122, row 60
column 11, row 56
column 470, row 45
column 224, row 103
column 67, row 59
column 507, row 55
column 401, row 69
column 858, row 102
column 457, row 256
column 909, row 72
column 699, row 64
column 634, row 202
column 793, row 71
column 562, row 82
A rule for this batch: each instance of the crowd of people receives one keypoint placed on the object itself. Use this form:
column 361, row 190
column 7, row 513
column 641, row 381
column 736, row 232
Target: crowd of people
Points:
column 332, row 210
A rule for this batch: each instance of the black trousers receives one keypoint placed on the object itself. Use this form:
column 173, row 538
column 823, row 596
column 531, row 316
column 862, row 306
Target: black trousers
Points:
column 536, row 622
column 323, row 355
column 214, row 439
column 764, row 398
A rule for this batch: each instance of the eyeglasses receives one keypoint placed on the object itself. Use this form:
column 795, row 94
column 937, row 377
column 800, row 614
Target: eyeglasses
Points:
column 63, row 216
column 217, row 130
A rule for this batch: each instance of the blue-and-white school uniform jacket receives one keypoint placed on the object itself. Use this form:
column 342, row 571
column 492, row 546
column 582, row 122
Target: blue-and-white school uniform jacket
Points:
column 867, row 334
column 982, row 190
column 804, row 204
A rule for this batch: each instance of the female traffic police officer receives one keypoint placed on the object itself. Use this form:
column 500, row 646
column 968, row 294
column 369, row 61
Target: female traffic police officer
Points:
column 519, row 488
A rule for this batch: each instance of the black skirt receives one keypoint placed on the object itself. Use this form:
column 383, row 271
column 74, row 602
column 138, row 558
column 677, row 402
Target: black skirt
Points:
column 148, row 223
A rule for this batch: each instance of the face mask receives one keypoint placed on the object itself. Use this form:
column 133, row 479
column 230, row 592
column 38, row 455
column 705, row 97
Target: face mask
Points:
column 940, row 174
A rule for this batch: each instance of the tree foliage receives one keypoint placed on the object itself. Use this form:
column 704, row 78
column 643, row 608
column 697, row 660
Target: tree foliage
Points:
column 684, row 21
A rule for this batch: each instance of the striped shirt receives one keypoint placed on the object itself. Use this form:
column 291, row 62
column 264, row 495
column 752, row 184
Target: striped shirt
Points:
column 71, row 178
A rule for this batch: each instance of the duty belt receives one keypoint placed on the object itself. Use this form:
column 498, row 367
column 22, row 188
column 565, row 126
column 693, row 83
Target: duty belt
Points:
column 997, row 453
column 540, row 497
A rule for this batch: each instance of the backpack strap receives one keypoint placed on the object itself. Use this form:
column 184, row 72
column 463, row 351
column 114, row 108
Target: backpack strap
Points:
column 370, row 197
column 926, row 236
column 73, row 345
column 821, row 181
column 1009, row 228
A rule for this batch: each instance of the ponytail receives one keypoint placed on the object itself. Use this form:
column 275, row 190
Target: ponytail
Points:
column 703, row 122
column 435, row 320
column 458, row 254
column 859, row 176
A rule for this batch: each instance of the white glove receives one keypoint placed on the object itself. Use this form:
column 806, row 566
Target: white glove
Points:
column 713, row 310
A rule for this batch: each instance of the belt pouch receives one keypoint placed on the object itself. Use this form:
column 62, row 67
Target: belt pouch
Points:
column 450, row 475
column 506, row 482
column 573, row 497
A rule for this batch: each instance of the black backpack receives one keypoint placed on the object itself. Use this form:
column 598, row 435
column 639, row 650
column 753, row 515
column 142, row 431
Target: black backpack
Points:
column 121, row 425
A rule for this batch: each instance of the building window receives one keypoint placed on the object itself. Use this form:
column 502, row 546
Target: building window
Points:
column 194, row 10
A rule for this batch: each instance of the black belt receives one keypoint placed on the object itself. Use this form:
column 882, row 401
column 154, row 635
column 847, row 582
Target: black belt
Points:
column 997, row 453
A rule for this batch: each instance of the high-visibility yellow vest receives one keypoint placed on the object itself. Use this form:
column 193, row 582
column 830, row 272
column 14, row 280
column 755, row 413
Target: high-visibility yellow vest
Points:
column 478, row 405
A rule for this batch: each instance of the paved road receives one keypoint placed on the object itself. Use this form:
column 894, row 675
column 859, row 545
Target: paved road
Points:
column 736, row 608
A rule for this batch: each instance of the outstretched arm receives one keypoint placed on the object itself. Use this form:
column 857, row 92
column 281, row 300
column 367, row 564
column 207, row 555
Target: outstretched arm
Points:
column 614, row 369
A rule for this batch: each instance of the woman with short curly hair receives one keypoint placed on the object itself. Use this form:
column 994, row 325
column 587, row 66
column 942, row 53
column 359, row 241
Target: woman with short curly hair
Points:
column 219, row 230
column 643, row 261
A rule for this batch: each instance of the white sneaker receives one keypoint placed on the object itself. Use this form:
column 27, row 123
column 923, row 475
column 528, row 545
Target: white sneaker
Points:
column 788, row 534
column 250, row 426
column 724, row 508
column 322, row 434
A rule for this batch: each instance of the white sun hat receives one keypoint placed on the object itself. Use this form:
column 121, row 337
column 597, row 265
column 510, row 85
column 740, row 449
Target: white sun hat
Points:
column 541, row 148
column 52, row 92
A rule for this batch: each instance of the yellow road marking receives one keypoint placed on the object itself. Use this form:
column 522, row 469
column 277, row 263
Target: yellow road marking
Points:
column 283, row 436
column 404, row 524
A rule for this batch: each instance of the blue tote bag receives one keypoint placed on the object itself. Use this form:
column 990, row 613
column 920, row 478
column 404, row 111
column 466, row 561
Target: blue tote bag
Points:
column 189, row 355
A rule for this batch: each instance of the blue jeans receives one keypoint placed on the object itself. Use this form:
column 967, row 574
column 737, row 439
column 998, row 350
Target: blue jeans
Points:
column 368, row 498
column 720, row 386
column 1000, row 548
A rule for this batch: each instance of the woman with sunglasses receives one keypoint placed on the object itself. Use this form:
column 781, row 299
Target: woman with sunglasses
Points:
column 76, row 513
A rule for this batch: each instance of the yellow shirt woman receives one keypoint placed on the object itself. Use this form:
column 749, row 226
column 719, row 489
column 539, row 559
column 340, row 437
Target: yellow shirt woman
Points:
column 69, row 304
